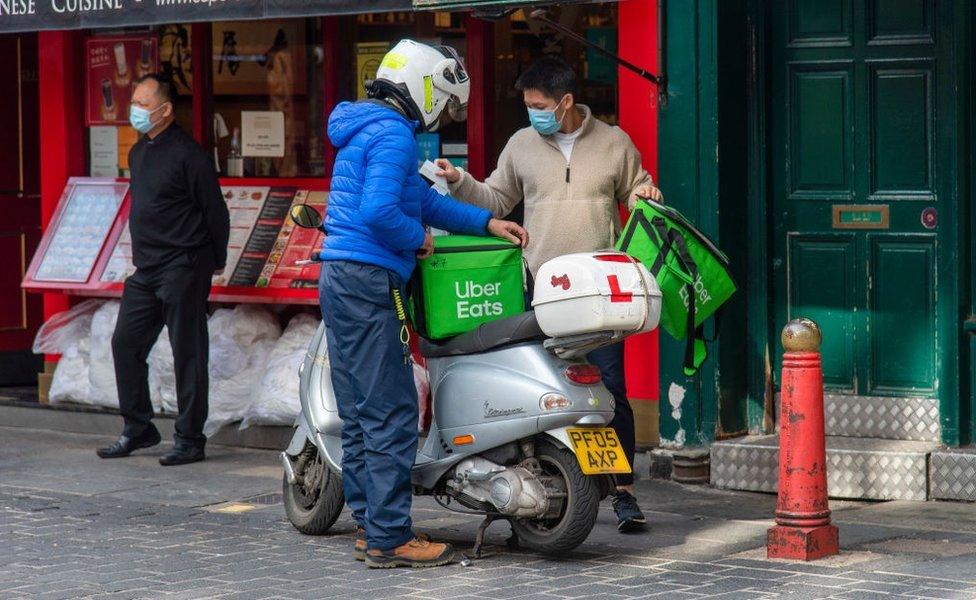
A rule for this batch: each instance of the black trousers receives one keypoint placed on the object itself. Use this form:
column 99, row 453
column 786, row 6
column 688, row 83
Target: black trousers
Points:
column 173, row 294
column 610, row 360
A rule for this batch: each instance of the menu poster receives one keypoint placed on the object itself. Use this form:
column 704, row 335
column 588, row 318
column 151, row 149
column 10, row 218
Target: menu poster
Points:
column 301, row 242
column 112, row 66
column 245, row 204
column 263, row 244
column 87, row 214
column 120, row 265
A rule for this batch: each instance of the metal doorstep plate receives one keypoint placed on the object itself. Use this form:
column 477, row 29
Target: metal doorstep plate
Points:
column 915, row 419
column 860, row 468
column 953, row 474
column 890, row 418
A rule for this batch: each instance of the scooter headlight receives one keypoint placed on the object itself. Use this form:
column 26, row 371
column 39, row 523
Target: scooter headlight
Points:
column 554, row 401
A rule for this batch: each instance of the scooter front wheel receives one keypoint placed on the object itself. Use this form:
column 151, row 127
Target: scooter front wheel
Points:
column 579, row 510
column 314, row 501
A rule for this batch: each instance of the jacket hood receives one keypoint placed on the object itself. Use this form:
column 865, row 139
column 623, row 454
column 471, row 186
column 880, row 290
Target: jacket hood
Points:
column 348, row 118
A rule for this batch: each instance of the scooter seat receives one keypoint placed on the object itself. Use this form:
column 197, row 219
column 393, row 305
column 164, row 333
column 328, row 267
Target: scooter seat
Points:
column 504, row 332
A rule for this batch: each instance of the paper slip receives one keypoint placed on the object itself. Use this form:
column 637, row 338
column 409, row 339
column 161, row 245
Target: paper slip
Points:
column 429, row 171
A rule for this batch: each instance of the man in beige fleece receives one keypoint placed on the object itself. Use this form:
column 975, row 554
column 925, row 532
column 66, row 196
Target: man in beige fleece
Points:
column 572, row 171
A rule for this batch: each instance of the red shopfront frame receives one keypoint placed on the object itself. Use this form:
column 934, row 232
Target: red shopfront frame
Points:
column 62, row 129
column 95, row 287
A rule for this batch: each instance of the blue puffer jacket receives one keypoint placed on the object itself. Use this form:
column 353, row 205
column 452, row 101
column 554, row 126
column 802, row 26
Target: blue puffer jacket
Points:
column 378, row 202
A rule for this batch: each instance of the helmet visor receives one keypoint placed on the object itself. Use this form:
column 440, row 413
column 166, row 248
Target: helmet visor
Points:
column 460, row 74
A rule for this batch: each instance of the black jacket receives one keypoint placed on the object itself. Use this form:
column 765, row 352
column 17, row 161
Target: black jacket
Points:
column 177, row 206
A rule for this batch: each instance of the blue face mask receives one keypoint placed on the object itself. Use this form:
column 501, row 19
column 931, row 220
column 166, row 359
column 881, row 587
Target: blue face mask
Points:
column 544, row 121
column 141, row 119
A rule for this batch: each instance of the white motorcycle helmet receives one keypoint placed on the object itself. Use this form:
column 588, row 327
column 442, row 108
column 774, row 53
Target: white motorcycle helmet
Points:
column 424, row 80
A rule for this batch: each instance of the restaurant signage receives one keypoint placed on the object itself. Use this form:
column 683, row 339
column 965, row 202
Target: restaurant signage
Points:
column 34, row 15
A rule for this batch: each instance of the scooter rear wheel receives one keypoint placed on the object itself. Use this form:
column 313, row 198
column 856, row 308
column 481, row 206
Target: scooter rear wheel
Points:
column 314, row 502
column 579, row 512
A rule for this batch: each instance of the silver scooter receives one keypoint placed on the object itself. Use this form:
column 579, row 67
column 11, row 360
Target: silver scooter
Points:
column 518, row 422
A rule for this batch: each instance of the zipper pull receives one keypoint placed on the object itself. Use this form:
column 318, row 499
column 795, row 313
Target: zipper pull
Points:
column 567, row 173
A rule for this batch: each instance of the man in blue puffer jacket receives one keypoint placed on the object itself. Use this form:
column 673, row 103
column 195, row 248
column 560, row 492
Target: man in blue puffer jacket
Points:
column 378, row 206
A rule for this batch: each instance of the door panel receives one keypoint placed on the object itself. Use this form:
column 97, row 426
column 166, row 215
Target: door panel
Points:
column 902, row 314
column 901, row 127
column 860, row 111
column 826, row 293
column 899, row 22
column 821, row 140
column 821, row 22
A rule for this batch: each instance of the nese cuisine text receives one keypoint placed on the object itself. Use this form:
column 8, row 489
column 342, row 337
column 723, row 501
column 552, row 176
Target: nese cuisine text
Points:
column 11, row 8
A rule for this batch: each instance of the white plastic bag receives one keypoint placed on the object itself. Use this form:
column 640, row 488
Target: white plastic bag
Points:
column 231, row 399
column 240, row 342
column 101, row 373
column 234, row 337
column 276, row 400
column 162, row 379
column 65, row 328
column 70, row 381
column 421, row 380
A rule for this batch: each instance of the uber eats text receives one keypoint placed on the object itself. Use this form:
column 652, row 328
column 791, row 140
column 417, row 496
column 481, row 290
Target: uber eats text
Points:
column 476, row 300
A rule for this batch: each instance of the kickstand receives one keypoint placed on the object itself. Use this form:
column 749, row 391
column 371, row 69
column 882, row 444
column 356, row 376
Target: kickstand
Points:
column 479, row 541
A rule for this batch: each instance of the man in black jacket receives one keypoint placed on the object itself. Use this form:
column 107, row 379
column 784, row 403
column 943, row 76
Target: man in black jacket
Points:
column 180, row 226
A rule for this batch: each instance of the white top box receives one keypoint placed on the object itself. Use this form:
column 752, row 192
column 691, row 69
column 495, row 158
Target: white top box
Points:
column 595, row 291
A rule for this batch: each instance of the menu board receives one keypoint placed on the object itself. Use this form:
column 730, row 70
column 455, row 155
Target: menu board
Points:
column 286, row 266
column 264, row 246
column 86, row 214
column 245, row 204
column 120, row 265
column 87, row 248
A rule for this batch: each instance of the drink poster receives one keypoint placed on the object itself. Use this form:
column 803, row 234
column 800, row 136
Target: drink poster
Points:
column 113, row 64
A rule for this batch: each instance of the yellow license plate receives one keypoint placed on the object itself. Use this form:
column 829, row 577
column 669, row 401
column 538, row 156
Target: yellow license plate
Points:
column 598, row 450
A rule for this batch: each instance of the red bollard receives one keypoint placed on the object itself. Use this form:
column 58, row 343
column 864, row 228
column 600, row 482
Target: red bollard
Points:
column 803, row 530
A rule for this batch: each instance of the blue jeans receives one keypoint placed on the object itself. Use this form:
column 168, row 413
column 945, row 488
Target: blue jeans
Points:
column 610, row 360
column 376, row 398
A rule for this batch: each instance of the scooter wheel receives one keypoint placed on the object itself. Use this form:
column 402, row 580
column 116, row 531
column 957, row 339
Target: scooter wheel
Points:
column 314, row 502
column 579, row 512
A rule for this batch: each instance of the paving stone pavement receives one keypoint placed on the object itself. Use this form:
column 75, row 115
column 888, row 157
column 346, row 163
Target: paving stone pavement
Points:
column 73, row 526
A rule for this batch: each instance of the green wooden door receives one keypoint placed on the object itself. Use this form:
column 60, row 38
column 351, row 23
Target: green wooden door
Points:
column 862, row 189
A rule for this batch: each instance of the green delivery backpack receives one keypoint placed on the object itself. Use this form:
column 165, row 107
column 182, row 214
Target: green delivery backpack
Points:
column 467, row 281
column 686, row 265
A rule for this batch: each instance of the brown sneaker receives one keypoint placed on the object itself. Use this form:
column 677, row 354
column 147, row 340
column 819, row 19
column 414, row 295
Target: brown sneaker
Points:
column 359, row 550
column 418, row 552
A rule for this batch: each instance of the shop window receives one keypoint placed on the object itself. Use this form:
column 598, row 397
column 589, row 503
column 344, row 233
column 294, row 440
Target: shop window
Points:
column 519, row 42
column 375, row 33
column 113, row 63
column 268, row 97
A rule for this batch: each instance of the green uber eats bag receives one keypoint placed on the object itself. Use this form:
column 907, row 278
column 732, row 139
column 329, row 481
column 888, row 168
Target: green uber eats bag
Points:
column 467, row 281
column 686, row 265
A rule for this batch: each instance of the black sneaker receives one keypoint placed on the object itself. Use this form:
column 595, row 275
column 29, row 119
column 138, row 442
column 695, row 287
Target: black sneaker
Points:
column 629, row 515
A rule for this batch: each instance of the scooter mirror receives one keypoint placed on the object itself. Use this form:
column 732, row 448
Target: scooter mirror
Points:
column 305, row 216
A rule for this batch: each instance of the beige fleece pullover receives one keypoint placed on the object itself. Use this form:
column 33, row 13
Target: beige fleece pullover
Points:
column 569, row 207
